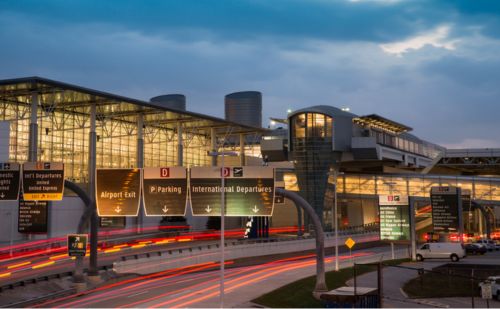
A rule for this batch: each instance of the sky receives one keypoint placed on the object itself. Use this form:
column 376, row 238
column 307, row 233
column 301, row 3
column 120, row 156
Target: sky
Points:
column 431, row 65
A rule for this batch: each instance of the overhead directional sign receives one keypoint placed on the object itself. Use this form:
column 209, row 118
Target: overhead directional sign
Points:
column 248, row 190
column 77, row 244
column 9, row 181
column 118, row 192
column 32, row 217
column 446, row 209
column 394, row 213
column 43, row 181
column 165, row 191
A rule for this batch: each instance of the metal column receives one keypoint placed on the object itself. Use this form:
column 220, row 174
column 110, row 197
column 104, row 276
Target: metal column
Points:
column 33, row 135
column 94, row 220
column 180, row 147
column 213, row 145
column 140, row 164
column 242, row 150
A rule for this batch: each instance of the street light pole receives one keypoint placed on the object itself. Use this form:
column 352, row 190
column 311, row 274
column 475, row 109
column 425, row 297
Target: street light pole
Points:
column 336, row 222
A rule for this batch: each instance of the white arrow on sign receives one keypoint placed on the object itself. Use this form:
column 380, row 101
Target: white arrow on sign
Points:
column 118, row 209
column 164, row 209
column 208, row 209
column 255, row 209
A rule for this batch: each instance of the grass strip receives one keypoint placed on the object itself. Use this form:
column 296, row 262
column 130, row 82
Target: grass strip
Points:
column 298, row 294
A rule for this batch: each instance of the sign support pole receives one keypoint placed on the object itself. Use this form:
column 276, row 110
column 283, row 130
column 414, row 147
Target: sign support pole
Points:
column 94, row 220
column 413, row 232
column 140, row 164
column 222, row 227
column 335, row 221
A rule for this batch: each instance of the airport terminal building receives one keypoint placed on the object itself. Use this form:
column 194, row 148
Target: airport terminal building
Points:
column 315, row 148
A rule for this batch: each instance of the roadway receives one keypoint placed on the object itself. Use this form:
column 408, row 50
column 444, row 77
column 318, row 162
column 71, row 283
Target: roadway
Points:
column 198, row 285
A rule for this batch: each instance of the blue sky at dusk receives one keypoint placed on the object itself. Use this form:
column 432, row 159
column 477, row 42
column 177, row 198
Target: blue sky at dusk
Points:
column 432, row 65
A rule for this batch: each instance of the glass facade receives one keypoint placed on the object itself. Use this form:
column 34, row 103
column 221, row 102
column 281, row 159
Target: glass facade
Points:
column 64, row 126
column 311, row 143
column 482, row 188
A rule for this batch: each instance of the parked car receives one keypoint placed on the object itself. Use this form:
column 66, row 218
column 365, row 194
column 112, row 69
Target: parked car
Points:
column 488, row 243
column 441, row 250
column 495, row 286
column 471, row 248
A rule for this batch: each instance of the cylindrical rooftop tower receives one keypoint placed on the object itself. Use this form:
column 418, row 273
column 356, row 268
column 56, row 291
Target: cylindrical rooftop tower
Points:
column 244, row 107
column 174, row 101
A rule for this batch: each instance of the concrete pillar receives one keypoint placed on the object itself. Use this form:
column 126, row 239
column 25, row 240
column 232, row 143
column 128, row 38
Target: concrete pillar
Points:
column 180, row 147
column 33, row 133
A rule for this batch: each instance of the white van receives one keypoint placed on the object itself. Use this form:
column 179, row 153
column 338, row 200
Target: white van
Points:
column 441, row 250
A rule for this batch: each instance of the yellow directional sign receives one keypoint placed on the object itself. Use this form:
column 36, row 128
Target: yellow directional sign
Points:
column 350, row 243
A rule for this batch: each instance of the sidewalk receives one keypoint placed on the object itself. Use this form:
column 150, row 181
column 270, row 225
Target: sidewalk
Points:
column 394, row 296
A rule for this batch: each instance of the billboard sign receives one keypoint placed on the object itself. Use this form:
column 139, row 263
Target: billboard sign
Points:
column 77, row 244
column 165, row 191
column 446, row 209
column 249, row 190
column 43, row 181
column 394, row 213
column 9, row 181
column 32, row 217
column 118, row 192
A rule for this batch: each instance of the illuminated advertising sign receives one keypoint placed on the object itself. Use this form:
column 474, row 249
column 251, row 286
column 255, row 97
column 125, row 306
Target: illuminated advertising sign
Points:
column 43, row 181
column 394, row 213
column 9, row 181
column 248, row 191
column 118, row 192
column 32, row 217
column 165, row 191
column 446, row 209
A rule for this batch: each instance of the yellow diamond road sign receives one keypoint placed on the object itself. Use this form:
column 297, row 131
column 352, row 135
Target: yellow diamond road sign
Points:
column 350, row 243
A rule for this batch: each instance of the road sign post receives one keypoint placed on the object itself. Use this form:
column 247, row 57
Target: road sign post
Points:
column 77, row 244
column 350, row 243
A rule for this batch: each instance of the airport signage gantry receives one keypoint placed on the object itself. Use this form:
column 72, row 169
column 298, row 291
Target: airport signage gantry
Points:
column 249, row 191
column 118, row 192
column 43, row 181
column 9, row 181
column 165, row 191
column 446, row 206
column 394, row 217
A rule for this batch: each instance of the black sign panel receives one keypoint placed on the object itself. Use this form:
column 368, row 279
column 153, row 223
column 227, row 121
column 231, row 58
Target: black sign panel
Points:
column 165, row 191
column 77, row 244
column 43, row 181
column 446, row 211
column 118, row 192
column 9, row 181
column 33, row 217
column 112, row 222
column 248, row 191
column 394, row 213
